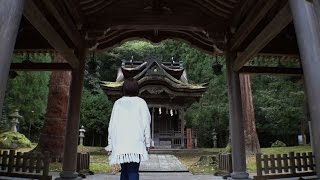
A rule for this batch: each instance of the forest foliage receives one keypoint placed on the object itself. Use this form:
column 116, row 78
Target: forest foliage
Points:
column 278, row 100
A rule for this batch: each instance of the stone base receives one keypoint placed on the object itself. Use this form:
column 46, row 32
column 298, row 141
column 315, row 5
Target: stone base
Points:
column 239, row 175
column 68, row 175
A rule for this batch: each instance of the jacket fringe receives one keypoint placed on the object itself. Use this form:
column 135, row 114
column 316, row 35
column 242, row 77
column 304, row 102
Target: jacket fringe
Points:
column 127, row 158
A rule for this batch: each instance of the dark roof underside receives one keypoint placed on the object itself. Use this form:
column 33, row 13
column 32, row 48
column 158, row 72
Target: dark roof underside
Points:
column 204, row 24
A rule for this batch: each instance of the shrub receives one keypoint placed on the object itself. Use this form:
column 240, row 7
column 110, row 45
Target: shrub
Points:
column 13, row 140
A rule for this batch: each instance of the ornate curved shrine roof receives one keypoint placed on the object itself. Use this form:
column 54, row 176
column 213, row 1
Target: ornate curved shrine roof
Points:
column 160, row 83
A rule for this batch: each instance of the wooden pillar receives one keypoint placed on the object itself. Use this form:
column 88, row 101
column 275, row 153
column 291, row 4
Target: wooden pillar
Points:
column 236, row 121
column 10, row 16
column 72, row 128
column 189, row 139
column 307, row 29
column 182, row 127
column 152, row 128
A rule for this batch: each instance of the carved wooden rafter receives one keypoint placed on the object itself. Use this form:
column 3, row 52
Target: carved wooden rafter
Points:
column 66, row 23
column 96, row 6
column 72, row 7
column 218, row 7
column 253, row 18
column 278, row 23
column 240, row 11
column 103, row 35
column 84, row 5
column 156, row 26
column 192, row 21
column 139, row 20
column 212, row 9
column 39, row 21
column 226, row 4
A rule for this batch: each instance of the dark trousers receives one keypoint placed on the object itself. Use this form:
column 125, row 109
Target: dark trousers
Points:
column 130, row 171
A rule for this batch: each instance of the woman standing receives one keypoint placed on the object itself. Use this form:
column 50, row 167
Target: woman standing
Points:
column 129, row 131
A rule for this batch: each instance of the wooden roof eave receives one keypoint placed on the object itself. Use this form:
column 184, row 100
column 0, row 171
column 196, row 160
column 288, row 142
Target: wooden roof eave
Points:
column 137, row 68
column 170, row 92
column 168, row 83
column 279, row 22
column 164, row 82
column 42, row 24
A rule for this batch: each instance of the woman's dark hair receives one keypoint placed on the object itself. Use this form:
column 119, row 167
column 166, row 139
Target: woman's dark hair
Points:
column 130, row 87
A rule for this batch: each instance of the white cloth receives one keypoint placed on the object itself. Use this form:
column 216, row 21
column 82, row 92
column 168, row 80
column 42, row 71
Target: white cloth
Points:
column 129, row 131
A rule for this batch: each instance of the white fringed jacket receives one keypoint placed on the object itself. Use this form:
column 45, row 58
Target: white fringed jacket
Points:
column 129, row 131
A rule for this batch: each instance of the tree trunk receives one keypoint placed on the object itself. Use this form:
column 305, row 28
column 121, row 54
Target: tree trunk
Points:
column 100, row 140
column 53, row 131
column 92, row 138
column 250, row 133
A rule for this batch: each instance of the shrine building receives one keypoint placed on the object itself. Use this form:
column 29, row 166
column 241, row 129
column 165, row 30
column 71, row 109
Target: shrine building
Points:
column 165, row 87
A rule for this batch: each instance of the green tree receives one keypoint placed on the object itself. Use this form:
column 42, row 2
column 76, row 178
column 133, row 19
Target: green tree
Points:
column 28, row 93
column 95, row 112
column 279, row 108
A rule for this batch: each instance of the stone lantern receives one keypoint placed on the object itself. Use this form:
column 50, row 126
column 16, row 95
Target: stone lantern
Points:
column 81, row 135
column 15, row 120
column 214, row 138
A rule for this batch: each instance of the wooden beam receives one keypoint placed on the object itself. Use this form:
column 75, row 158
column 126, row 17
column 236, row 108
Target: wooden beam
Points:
column 120, row 36
column 72, row 6
column 66, row 23
column 278, row 23
column 40, row 67
column 243, row 7
column 85, row 5
column 293, row 56
column 225, row 3
column 158, row 27
column 271, row 70
column 152, row 23
column 254, row 17
column 96, row 7
column 214, row 11
column 42, row 24
column 193, row 35
column 217, row 7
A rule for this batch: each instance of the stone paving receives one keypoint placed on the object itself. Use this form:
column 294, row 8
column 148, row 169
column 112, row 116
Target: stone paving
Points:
column 159, row 176
column 153, row 176
column 162, row 163
column 171, row 176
